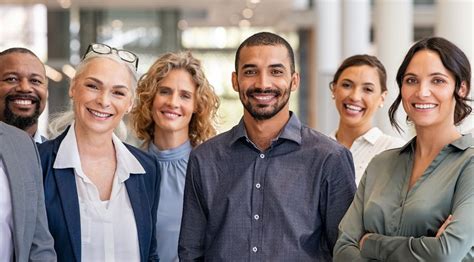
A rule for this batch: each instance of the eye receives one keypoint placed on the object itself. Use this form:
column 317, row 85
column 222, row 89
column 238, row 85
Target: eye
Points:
column 346, row 85
column 164, row 91
column 250, row 72
column 368, row 89
column 276, row 72
column 36, row 81
column 438, row 81
column 11, row 79
column 92, row 86
column 411, row 80
column 186, row 95
column 119, row 93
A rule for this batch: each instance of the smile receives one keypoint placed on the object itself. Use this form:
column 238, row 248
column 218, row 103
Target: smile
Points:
column 353, row 107
column 22, row 102
column 170, row 114
column 99, row 114
column 424, row 106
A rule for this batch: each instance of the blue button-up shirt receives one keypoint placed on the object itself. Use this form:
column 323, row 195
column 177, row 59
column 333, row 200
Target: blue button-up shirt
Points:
column 283, row 204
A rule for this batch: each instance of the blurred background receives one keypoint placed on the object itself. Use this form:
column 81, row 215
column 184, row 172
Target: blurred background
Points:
column 322, row 33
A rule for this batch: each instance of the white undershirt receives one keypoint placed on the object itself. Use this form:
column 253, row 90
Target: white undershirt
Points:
column 108, row 228
column 6, row 219
column 365, row 147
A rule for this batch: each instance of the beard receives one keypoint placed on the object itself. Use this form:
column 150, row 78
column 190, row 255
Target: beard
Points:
column 21, row 122
column 263, row 111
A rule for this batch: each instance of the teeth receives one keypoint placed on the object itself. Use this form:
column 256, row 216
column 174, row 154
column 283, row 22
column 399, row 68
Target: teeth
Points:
column 425, row 106
column 172, row 115
column 22, row 102
column 263, row 98
column 352, row 107
column 98, row 114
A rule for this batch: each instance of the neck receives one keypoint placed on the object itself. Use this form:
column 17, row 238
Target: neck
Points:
column 262, row 132
column 93, row 143
column 430, row 140
column 169, row 140
column 346, row 135
column 31, row 130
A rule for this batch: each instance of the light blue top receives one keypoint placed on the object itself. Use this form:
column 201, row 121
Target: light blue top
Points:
column 173, row 163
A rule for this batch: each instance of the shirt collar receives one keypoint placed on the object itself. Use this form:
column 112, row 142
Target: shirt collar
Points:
column 68, row 156
column 38, row 138
column 372, row 135
column 464, row 142
column 291, row 131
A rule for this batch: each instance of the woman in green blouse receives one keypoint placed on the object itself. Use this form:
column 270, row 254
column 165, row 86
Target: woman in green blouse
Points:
column 416, row 203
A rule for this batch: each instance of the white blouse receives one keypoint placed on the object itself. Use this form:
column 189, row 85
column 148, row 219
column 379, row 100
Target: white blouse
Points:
column 108, row 228
column 367, row 146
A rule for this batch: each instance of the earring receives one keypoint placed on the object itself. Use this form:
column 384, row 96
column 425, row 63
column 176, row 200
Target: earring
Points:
column 333, row 97
column 381, row 105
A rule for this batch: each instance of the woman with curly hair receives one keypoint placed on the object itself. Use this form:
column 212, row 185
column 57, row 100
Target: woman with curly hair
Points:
column 175, row 111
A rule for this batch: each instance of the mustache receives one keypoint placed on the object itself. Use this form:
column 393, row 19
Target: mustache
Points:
column 253, row 91
column 12, row 97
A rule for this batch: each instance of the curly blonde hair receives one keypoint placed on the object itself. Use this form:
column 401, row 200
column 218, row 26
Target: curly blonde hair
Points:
column 203, row 121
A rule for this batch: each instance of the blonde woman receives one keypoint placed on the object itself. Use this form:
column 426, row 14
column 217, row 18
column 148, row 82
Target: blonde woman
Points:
column 175, row 111
column 101, row 194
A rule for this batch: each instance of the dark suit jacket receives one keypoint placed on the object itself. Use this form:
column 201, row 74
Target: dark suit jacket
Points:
column 31, row 238
column 62, row 204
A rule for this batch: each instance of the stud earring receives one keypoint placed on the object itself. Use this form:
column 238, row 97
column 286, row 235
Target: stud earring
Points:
column 381, row 105
column 333, row 97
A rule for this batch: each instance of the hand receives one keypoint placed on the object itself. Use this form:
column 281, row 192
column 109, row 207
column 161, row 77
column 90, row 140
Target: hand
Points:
column 362, row 240
column 443, row 227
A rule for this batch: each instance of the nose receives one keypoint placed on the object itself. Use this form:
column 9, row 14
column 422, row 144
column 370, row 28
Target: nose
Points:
column 103, row 99
column 173, row 100
column 424, row 89
column 263, row 81
column 24, row 86
column 356, row 94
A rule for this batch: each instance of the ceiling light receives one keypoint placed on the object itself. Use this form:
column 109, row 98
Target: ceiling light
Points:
column 247, row 13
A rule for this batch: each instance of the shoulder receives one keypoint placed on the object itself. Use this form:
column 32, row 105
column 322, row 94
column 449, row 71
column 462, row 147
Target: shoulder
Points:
column 219, row 143
column 320, row 143
column 391, row 141
column 14, row 134
column 142, row 156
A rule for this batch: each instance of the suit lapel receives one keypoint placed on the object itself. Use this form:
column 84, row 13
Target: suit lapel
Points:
column 140, row 213
column 66, row 182
column 16, row 177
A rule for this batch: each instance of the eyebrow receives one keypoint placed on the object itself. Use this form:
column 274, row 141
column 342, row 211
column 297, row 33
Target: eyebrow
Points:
column 432, row 74
column 100, row 82
column 30, row 75
column 270, row 66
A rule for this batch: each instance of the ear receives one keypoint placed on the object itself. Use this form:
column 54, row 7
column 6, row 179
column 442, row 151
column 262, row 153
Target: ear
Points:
column 71, row 91
column 462, row 92
column 235, row 82
column 382, row 98
column 129, row 109
column 295, row 81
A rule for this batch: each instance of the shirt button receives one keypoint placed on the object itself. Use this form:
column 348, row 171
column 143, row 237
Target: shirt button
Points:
column 258, row 185
column 254, row 249
column 262, row 156
column 256, row 217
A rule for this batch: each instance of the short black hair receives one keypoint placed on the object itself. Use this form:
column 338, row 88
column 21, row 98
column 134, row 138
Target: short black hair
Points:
column 18, row 50
column 454, row 60
column 266, row 38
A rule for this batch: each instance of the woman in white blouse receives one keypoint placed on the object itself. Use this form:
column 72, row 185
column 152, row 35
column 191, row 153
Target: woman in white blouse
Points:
column 358, row 90
column 101, row 194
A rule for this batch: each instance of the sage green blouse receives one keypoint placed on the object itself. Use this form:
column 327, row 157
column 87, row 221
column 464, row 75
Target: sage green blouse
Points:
column 404, row 223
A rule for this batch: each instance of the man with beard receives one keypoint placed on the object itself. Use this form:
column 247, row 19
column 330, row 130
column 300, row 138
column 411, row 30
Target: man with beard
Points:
column 23, row 90
column 270, row 189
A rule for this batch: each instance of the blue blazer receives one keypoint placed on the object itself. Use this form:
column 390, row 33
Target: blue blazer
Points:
column 62, row 204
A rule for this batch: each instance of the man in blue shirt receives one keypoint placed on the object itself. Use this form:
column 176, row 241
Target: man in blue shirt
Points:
column 270, row 189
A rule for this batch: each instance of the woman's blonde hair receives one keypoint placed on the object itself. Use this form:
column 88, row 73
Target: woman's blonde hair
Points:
column 63, row 119
column 203, row 121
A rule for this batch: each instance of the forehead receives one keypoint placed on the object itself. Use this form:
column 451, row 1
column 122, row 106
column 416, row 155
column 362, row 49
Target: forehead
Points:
column 21, row 63
column 426, row 60
column 107, row 70
column 360, row 72
column 264, row 55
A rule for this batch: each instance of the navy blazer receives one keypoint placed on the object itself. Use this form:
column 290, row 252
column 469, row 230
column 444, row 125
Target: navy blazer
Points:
column 62, row 204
